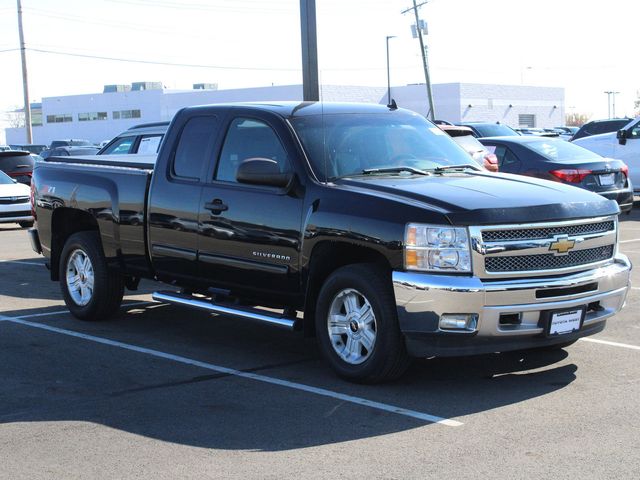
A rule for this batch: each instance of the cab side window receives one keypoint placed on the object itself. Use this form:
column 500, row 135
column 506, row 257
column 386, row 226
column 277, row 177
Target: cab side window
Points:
column 249, row 138
column 195, row 147
column 635, row 131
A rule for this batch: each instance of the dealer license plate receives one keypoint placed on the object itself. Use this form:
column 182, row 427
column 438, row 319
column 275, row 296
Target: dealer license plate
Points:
column 607, row 179
column 566, row 321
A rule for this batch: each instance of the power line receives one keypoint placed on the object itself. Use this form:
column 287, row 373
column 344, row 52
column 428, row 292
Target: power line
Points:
column 151, row 62
column 9, row 50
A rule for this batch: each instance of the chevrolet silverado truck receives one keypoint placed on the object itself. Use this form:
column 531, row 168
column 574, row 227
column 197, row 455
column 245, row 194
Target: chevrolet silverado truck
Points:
column 363, row 225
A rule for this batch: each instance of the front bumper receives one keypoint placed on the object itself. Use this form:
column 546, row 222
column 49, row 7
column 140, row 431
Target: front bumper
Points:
column 422, row 298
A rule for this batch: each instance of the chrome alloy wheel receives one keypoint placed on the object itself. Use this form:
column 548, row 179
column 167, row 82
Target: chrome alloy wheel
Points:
column 352, row 326
column 80, row 278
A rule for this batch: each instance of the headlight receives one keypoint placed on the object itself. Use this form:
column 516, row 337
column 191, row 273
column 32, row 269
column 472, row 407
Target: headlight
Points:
column 436, row 248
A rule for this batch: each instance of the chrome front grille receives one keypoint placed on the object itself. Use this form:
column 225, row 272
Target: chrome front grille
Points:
column 529, row 250
column 13, row 200
column 547, row 232
column 524, row 263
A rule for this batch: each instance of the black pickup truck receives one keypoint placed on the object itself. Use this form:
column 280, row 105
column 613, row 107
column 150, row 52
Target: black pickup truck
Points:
column 364, row 225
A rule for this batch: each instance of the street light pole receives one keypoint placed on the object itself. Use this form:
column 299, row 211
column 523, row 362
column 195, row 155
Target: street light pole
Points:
column 608, row 103
column 613, row 103
column 388, row 72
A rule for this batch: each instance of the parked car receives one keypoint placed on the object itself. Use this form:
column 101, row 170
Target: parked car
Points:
column 15, row 204
column 596, row 127
column 361, row 224
column 4, row 148
column 488, row 129
column 69, row 152
column 540, row 132
column 70, row 143
column 144, row 139
column 18, row 165
column 555, row 159
column 568, row 130
column 463, row 136
column 29, row 147
column 622, row 145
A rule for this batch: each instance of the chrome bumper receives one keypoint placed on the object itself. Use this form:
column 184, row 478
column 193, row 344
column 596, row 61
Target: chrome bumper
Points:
column 422, row 298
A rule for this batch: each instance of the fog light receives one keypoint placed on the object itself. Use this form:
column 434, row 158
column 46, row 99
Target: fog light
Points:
column 467, row 322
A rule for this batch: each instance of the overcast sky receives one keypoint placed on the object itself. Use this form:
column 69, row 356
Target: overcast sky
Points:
column 585, row 46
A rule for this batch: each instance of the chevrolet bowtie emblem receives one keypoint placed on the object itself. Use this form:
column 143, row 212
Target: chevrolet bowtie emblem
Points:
column 561, row 245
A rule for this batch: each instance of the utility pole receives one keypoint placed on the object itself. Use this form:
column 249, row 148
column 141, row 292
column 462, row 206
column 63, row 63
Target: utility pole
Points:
column 423, row 51
column 308, row 34
column 25, row 83
column 608, row 103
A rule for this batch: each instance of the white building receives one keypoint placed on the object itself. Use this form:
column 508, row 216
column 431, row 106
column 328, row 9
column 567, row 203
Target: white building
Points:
column 101, row 116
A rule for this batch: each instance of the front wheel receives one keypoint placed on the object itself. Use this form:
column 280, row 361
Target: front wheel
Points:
column 90, row 289
column 357, row 325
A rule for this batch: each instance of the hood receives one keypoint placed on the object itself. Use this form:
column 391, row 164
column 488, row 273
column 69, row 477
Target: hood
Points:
column 480, row 198
column 14, row 190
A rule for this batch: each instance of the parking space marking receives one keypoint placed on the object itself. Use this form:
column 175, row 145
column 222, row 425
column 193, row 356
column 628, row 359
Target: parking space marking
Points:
column 629, row 241
column 247, row 375
column 22, row 262
column 60, row 312
column 612, row 344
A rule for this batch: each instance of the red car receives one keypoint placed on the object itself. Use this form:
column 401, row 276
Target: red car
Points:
column 463, row 136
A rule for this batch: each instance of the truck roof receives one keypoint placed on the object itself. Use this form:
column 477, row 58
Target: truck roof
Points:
column 299, row 109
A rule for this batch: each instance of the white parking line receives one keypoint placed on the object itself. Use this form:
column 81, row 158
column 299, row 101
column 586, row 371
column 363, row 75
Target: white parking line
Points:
column 629, row 241
column 238, row 373
column 60, row 312
column 612, row 344
column 22, row 262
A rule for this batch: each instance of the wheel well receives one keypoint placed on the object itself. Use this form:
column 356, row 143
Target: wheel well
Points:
column 325, row 259
column 64, row 223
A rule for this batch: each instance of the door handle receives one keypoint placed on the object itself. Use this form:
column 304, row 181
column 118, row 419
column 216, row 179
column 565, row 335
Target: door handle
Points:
column 216, row 206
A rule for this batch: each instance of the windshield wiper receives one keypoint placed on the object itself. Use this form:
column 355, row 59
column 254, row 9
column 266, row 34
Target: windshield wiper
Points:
column 370, row 171
column 463, row 166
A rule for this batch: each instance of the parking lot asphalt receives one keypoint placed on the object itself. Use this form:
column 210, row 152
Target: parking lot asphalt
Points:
column 161, row 392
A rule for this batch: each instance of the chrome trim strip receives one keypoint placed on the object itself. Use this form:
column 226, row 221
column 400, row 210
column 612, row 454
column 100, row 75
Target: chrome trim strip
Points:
column 242, row 264
column 164, row 251
column 192, row 302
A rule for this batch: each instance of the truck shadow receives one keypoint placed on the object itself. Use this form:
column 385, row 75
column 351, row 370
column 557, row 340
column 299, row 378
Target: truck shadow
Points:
column 51, row 377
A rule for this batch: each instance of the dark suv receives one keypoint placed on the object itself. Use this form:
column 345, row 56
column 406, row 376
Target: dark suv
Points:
column 596, row 127
column 18, row 165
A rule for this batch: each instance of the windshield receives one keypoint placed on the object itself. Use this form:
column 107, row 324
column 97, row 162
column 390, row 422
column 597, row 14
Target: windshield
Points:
column 497, row 130
column 5, row 179
column 348, row 144
column 561, row 151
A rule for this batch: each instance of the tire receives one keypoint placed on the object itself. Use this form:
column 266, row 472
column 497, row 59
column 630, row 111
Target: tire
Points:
column 366, row 344
column 26, row 224
column 91, row 291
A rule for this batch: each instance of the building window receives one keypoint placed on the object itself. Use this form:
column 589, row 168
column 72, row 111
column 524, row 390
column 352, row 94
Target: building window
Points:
column 126, row 114
column 527, row 120
column 61, row 118
column 91, row 116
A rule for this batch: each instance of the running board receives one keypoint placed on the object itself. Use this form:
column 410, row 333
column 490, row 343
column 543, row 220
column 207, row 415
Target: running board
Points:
column 256, row 315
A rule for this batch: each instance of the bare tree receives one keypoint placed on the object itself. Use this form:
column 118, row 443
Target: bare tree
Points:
column 636, row 104
column 15, row 119
column 576, row 119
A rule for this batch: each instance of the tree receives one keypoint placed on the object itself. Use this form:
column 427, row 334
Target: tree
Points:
column 636, row 104
column 15, row 119
column 576, row 119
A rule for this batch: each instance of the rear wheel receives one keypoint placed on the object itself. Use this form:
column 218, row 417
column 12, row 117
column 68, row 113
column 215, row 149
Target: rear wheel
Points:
column 357, row 325
column 90, row 289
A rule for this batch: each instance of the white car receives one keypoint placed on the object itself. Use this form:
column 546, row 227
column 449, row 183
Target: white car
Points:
column 622, row 145
column 15, row 202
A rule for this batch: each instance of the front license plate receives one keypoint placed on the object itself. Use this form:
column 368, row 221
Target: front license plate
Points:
column 566, row 321
column 607, row 179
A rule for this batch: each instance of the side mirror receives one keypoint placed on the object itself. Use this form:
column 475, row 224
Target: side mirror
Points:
column 262, row 171
column 622, row 137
